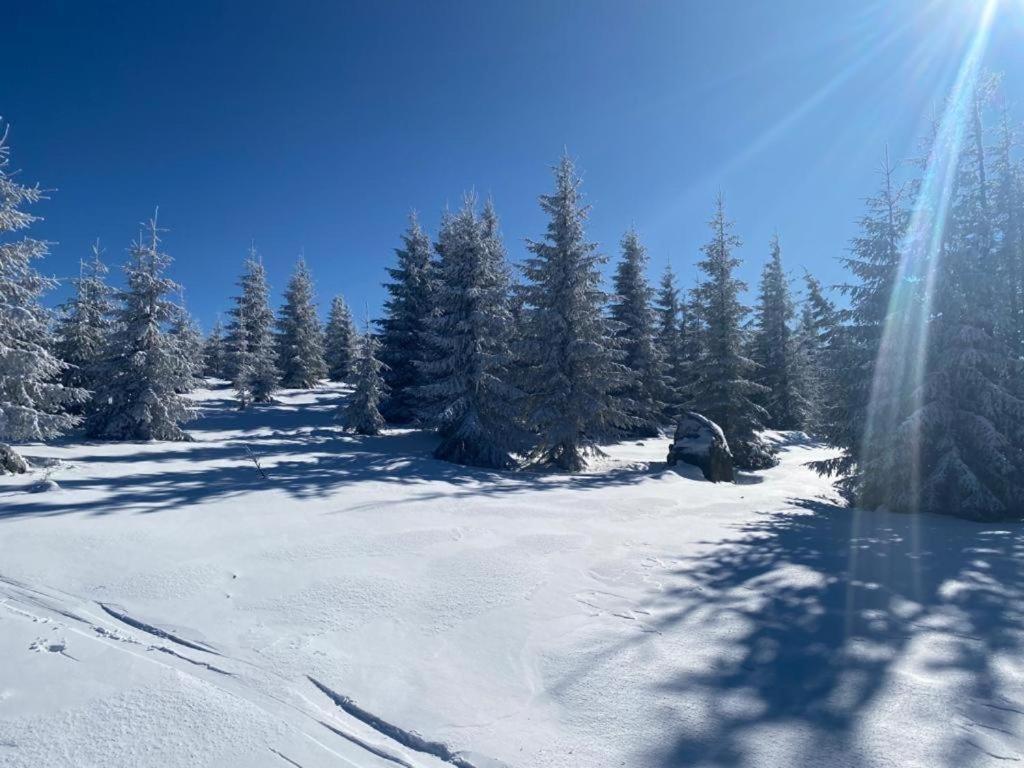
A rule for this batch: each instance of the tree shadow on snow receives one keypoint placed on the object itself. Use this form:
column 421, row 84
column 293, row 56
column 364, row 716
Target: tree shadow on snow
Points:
column 302, row 450
column 809, row 612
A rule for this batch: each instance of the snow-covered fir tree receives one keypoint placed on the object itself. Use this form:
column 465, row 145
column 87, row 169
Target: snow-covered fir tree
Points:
column 341, row 344
column 1008, row 234
column 300, row 339
column 878, row 297
column 137, row 396
column 250, row 346
column 185, row 333
column 723, row 388
column 644, row 391
column 812, row 368
column 215, row 352
column 772, row 346
column 84, row 324
column 361, row 413
column 567, row 346
column 33, row 399
column 468, row 395
column 670, row 338
column 403, row 328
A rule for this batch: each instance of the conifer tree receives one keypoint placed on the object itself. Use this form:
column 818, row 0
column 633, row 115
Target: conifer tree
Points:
column 137, row 398
column 469, row 397
column 250, row 347
column 404, row 326
column 215, row 352
column 772, row 347
column 568, row 348
column 813, row 369
column 185, row 334
column 723, row 388
column 361, row 413
column 341, row 345
column 1008, row 236
column 300, row 336
column 33, row 400
column 670, row 338
column 631, row 310
column 84, row 325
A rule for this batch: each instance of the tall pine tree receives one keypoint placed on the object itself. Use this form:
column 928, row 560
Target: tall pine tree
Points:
column 671, row 343
column 631, row 310
column 138, row 398
column 772, row 347
column 470, row 399
column 300, row 341
column 361, row 413
column 404, row 326
column 723, row 388
column 568, row 350
column 33, row 400
column 250, row 347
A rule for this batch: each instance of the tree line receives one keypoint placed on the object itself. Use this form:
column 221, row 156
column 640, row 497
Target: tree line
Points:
column 915, row 378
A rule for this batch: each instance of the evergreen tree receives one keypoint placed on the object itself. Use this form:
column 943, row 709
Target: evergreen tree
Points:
column 723, row 389
column 361, row 413
column 215, row 352
column 33, row 400
column 631, row 309
column 772, row 347
column 300, row 337
column 403, row 329
column 185, row 334
column 84, row 325
column 250, row 347
column 813, row 370
column 137, row 398
column 1008, row 236
column 670, row 339
column 341, row 342
column 470, row 400
column 568, row 347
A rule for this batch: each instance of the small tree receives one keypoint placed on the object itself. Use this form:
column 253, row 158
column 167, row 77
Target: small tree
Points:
column 670, row 339
column 361, row 413
column 342, row 340
column 215, row 352
column 250, row 348
column 185, row 334
column 33, row 400
column 300, row 340
column 137, row 398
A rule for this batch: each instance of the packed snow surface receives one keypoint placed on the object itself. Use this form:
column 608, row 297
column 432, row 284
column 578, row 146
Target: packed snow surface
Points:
column 165, row 605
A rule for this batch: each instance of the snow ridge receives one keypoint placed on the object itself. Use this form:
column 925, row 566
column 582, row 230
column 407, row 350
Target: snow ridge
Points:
column 406, row 738
column 131, row 622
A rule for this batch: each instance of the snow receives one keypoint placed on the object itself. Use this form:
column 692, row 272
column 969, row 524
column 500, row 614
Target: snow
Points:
column 161, row 604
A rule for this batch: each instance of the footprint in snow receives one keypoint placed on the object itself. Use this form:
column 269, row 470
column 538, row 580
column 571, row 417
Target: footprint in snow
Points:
column 42, row 645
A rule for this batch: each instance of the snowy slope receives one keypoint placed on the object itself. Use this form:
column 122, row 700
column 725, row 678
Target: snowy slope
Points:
column 168, row 606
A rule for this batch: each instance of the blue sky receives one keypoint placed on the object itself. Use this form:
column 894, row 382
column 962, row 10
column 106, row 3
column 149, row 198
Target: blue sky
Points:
column 316, row 126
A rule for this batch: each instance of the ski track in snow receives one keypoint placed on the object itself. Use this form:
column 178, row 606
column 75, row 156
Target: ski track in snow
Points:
column 625, row 617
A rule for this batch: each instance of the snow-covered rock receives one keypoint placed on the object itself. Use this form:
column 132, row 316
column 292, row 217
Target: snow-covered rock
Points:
column 700, row 442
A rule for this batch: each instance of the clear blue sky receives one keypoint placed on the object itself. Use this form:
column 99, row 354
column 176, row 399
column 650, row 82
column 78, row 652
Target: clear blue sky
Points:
column 317, row 126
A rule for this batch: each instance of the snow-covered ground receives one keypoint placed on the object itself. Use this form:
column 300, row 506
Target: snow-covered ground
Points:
column 365, row 605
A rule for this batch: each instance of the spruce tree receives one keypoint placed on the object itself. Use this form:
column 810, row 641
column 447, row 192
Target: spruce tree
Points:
column 137, row 398
column 341, row 344
column 568, row 348
column 33, row 400
column 361, row 413
column 185, row 334
column 469, row 397
column 300, row 341
column 215, row 352
column 772, row 347
column 1008, row 236
column 670, row 339
column 404, row 326
column 250, row 347
column 723, row 388
column 631, row 309
column 84, row 324
column 813, row 368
